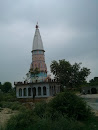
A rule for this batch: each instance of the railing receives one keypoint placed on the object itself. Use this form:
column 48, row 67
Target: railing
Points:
column 36, row 81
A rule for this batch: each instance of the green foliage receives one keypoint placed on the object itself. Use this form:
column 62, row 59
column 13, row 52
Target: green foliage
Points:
column 40, row 109
column 6, row 87
column 0, row 85
column 94, row 81
column 12, row 105
column 1, row 96
column 71, row 105
column 35, row 72
column 21, row 121
column 69, row 75
column 62, row 123
column 66, row 111
column 11, row 96
column 27, row 120
column 9, row 100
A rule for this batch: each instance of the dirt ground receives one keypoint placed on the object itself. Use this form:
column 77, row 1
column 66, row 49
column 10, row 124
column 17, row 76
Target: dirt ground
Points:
column 88, row 96
column 92, row 101
column 5, row 115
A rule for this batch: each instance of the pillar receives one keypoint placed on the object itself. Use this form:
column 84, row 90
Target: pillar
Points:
column 27, row 91
column 47, row 90
column 22, row 92
column 41, row 91
column 17, row 92
column 36, row 91
column 31, row 92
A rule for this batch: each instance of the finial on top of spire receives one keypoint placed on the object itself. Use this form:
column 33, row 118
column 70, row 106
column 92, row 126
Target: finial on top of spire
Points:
column 37, row 25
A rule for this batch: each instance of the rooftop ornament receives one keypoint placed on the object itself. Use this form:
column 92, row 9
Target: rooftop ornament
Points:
column 37, row 25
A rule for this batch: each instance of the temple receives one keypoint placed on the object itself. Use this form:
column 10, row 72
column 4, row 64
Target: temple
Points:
column 37, row 83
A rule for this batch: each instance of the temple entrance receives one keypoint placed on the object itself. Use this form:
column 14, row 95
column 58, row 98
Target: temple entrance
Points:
column 44, row 90
column 29, row 91
column 39, row 91
column 34, row 91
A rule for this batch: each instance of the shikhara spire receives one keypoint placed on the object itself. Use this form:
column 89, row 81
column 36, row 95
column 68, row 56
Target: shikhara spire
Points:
column 37, row 41
column 38, row 58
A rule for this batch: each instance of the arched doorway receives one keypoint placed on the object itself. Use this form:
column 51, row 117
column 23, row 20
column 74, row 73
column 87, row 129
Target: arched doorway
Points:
column 93, row 90
column 20, row 92
column 44, row 90
column 34, row 91
column 24, row 92
column 29, row 91
column 39, row 91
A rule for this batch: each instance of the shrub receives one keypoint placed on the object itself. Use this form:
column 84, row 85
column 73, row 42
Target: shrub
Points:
column 27, row 120
column 21, row 121
column 66, row 111
column 71, row 105
column 12, row 105
column 63, row 123
column 6, row 87
column 8, row 96
column 1, row 96
column 40, row 108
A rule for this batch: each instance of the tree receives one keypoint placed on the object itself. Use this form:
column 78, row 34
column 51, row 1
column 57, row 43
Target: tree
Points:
column 69, row 75
column 94, row 81
column 0, row 85
column 7, row 86
column 67, row 103
column 35, row 72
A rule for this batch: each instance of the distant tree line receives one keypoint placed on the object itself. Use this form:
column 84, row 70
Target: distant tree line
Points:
column 6, row 87
column 94, row 81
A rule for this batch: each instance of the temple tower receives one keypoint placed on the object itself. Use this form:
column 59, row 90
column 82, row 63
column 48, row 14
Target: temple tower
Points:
column 38, row 58
column 37, row 83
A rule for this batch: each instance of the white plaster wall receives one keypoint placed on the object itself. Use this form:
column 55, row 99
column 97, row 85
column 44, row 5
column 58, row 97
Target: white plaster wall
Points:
column 22, row 87
column 32, row 86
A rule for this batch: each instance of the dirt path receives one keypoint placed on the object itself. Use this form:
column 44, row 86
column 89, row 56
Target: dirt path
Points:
column 5, row 115
column 92, row 96
column 92, row 101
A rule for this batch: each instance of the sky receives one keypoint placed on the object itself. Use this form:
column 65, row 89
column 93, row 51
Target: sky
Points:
column 68, row 28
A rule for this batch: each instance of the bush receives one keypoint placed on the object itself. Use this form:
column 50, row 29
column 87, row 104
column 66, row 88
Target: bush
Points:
column 27, row 120
column 12, row 105
column 63, row 123
column 66, row 111
column 6, row 87
column 21, row 121
column 11, row 96
column 40, row 108
column 71, row 105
